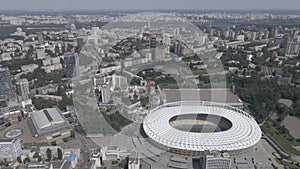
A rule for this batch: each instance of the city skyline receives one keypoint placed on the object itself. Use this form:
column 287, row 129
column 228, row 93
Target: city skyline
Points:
column 150, row 5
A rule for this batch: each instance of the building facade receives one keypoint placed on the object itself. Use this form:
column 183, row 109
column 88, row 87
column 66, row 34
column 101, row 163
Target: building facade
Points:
column 23, row 89
column 105, row 93
column 10, row 148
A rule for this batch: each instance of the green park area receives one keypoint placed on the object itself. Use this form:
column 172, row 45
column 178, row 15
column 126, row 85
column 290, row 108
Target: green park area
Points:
column 262, row 99
column 116, row 120
column 281, row 136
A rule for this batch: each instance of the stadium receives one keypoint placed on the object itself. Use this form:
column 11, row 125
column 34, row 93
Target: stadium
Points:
column 195, row 127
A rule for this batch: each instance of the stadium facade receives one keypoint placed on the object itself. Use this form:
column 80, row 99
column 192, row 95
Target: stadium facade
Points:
column 196, row 127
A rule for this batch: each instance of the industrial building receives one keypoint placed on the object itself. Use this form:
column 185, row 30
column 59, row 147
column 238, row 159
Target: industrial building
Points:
column 49, row 123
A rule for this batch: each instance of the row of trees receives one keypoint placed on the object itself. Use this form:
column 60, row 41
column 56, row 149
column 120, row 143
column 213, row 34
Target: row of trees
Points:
column 41, row 78
column 40, row 103
column 50, row 156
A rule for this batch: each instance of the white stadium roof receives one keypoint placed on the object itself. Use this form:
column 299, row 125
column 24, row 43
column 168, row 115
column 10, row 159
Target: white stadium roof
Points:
column 47, row 118
column 244, row 132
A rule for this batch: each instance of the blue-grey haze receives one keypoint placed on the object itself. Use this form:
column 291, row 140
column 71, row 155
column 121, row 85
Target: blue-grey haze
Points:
column 146, row 4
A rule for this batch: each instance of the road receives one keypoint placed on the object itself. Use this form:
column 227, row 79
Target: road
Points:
column 86, row 146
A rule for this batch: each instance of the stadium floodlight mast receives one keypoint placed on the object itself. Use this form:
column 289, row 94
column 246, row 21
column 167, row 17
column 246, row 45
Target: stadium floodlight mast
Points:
column 101, row 41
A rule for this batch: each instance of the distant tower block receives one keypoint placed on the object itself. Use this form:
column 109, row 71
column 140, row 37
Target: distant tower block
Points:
column 23, row 89
column 105, row 93
column 159, row 53
column 72, row 27
column 167, row 39
column 153, row 42
column 40, row 38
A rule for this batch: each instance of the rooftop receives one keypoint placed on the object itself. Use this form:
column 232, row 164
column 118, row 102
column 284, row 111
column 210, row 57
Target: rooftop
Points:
column 47, row 118
column 218, row 95
column 70, row 157
column 4, row 140
column 5, row 82
column 243, row 134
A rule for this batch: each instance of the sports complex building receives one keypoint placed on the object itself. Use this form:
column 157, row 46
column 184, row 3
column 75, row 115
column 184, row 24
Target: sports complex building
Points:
column 196, row 127
column 49, row 124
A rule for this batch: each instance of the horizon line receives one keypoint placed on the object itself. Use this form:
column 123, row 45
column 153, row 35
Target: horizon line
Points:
column 183, row 9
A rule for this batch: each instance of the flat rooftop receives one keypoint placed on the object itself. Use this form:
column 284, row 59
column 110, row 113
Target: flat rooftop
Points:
column 5, row 82
column 6, row 140
column 218, row 95
column 46, row 118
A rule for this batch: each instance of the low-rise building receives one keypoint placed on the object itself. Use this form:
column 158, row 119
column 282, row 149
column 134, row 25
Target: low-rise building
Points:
column 29, row 68
column 217, row 161
column 10, row 148
column 134, row 160
column 96, row 160
column 50, row 124
column 71, row 155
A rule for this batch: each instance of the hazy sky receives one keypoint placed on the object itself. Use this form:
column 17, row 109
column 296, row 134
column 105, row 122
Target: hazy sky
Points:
column 148, row 4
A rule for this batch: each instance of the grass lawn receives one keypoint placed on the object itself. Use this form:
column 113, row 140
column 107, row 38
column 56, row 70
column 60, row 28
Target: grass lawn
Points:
column 281, row 137
column 116, row 120
column 36, row 144
column 66, row 139
column 278, row 70
column 199, row 71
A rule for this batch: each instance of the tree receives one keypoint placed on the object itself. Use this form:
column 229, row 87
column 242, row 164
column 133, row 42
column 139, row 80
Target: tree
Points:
column 258, row 68
column 53, row 143
column 56, row 49
column 39, row 159
column 36, row 155
column 80, row 129
column 144, row 100
column 7, row 124
column 73, row 133
column 29, row 52
column 59, row 154
column 22, row 114
column 60, row 90
column 50, row 53
column 27, row 159
column 282, row 111
column 49, row 154
column 66, row 101
column 69, row 47
column 19, row 118
column 19, row 159
column 5, row 162
column 63, row 48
